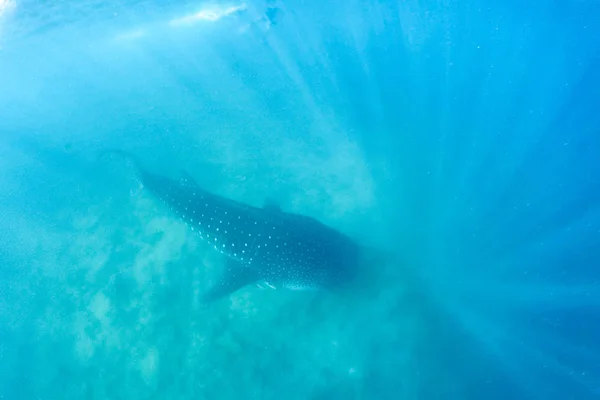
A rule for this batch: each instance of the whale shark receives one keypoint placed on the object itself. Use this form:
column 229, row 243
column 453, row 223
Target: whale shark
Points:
column 262, row 245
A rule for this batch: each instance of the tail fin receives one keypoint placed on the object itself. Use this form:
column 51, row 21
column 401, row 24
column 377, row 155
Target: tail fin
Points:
column 130, row 158
column 131, row 162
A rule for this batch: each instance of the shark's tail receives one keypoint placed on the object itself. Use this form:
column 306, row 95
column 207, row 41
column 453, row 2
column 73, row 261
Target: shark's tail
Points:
column 128, row 157
column 132, row 163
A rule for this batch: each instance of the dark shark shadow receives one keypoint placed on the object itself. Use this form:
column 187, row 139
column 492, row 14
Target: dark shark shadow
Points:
column 261, row 244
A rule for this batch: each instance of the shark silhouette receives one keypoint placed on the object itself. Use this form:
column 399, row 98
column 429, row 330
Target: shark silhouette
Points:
column 262, row 245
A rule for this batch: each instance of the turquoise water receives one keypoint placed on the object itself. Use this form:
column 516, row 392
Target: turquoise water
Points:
column 459, row 139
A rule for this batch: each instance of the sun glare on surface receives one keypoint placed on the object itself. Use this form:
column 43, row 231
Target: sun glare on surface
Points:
column 212, row 14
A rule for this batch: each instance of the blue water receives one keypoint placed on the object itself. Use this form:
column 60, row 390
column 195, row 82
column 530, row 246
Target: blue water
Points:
column 462, row 139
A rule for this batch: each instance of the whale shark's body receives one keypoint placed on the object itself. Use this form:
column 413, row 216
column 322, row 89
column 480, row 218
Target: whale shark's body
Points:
column 262, row 244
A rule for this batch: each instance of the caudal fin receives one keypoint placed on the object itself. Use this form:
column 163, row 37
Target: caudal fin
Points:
column 124, row 155
column 125, row 165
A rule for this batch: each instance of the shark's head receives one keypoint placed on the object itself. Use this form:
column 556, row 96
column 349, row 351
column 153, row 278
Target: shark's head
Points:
column 347, row 263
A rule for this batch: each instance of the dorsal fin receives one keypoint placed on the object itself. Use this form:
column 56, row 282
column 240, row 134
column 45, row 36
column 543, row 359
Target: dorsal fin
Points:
column 271, row 205
column 188, row 180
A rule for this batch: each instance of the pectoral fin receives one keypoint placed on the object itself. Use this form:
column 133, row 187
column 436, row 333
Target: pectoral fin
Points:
column 235, row 276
